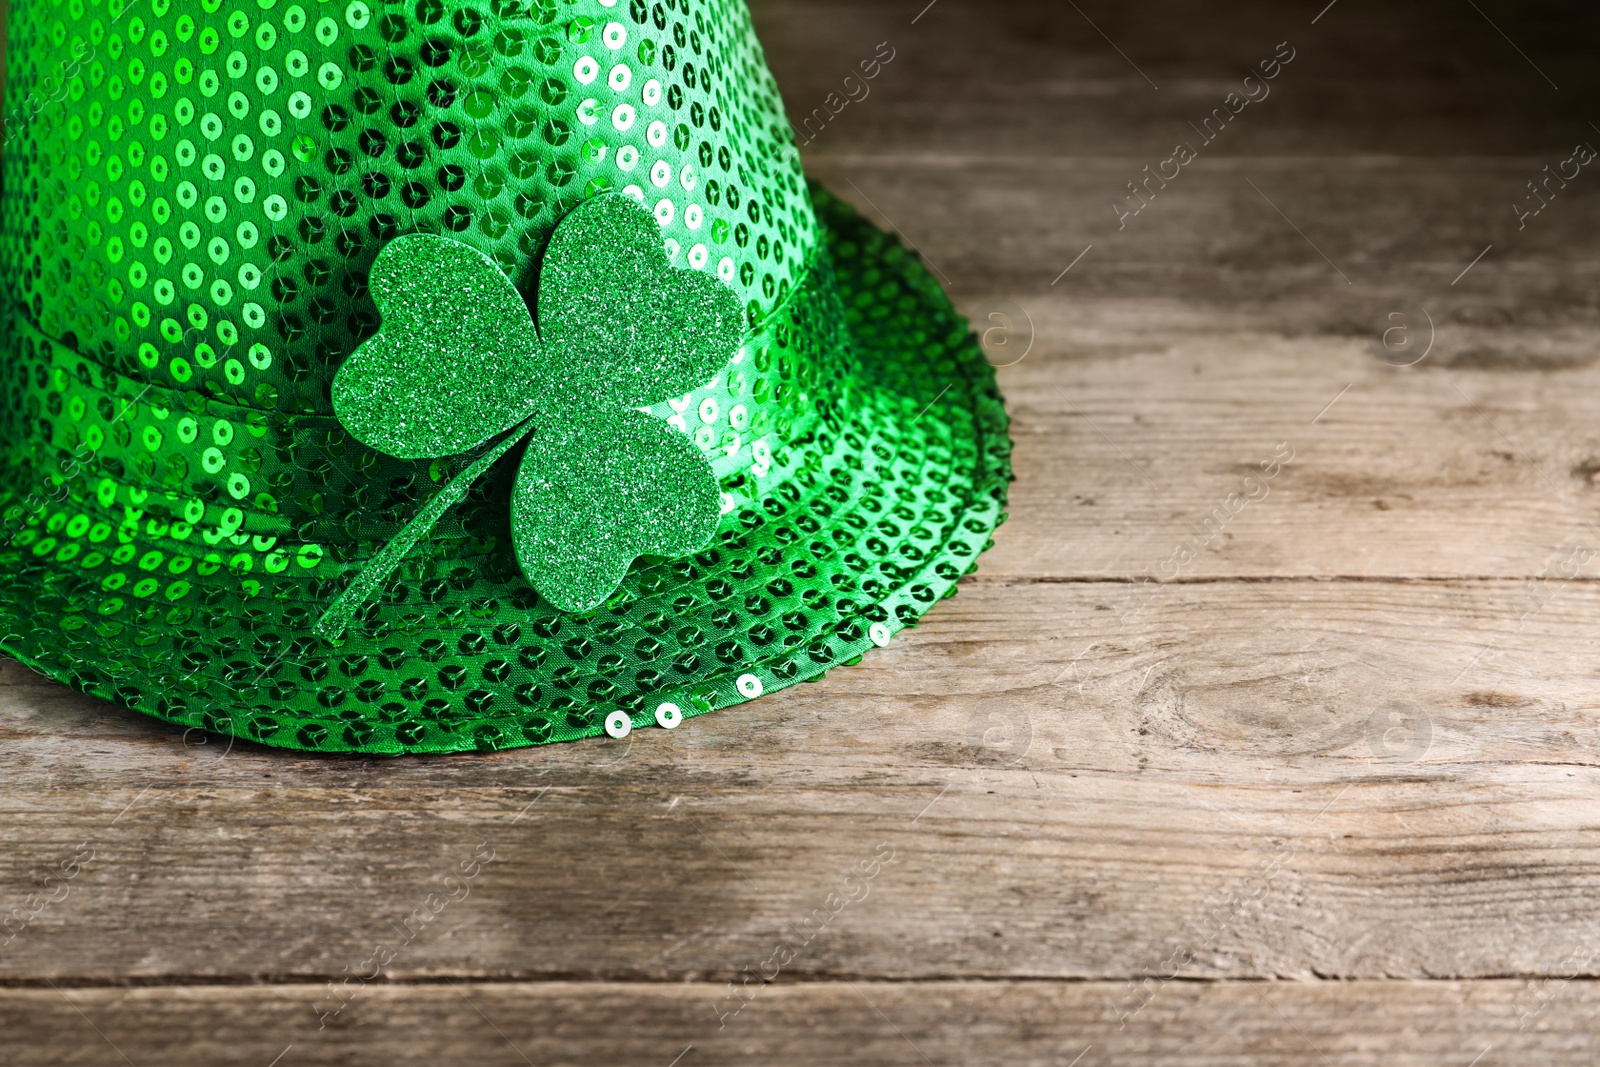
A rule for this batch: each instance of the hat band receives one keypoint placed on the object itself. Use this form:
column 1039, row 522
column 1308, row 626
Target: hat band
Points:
column 117, row 456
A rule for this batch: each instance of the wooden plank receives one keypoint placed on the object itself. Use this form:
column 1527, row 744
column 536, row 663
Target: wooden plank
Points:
column 1075, row 780
column 1022, row 1024
column 1038, row 77
column 1304, row 246
column 1138, row 460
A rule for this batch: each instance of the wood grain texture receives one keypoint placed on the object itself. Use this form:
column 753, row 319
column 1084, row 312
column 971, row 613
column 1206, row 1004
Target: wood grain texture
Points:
column 1036, row 77
column 1074, row 780
column 1123, row 459
column 833, row 1024
column 1325, row 793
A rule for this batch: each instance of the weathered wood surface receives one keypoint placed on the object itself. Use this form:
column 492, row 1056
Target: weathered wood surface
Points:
column 1040, row 78
column 1073, row 780
column 1338, row 774
column 824, row 1024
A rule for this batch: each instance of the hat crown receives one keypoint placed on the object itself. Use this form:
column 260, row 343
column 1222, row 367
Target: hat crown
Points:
column 200, row 196
column 192, row 210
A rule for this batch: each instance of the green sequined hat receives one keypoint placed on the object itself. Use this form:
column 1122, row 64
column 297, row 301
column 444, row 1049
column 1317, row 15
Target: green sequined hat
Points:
column 433, row 376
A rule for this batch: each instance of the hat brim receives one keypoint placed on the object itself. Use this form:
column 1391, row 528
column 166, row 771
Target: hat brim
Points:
column 899, row 507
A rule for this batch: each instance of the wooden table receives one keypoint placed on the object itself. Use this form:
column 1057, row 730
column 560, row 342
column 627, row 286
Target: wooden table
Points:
column 1267, row 734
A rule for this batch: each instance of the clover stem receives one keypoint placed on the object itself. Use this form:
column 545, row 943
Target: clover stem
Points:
column 379, row 567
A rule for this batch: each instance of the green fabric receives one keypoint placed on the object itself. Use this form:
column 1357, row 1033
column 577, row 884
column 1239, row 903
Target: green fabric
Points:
column 190, row 228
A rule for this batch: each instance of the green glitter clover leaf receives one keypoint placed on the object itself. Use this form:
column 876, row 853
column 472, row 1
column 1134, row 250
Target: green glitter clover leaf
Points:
column 460, row 362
